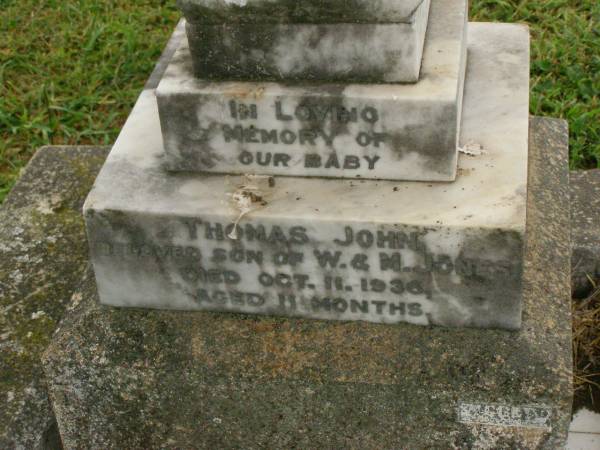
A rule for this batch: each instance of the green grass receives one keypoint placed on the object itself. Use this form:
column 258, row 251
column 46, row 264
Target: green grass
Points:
column 71, row 70
column 565, row 64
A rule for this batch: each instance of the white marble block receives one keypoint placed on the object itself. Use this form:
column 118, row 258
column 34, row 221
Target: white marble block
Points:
column 441, row 253
column 362, row 40
column 379, row 131
column 299, row 11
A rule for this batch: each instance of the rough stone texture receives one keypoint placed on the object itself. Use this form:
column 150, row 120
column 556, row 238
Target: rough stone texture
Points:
column 299, row 11
column 357, row 52
column 123, row 378
column 410, row 130
column 43, row 256
column 455, row 257
column 585, row 219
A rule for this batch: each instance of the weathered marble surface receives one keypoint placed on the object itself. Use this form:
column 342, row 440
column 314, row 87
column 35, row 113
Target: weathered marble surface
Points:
column 299, row 11
column 167, row 55
column 43, row 254
column 585, row 217
column 130, row 378
column 400, row 132
column 447, row 254
column 303, row 52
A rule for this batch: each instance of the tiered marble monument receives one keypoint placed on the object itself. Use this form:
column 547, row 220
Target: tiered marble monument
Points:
column 273, row 170
column 283, row 166
column 395, row 131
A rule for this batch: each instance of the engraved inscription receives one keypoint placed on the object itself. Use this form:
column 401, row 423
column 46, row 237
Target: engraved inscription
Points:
column 306, row 133
column 336, row 271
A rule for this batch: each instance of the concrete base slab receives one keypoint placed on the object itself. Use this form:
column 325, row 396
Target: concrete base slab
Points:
column 126, row 378
column 585, row 216
column 43, row 255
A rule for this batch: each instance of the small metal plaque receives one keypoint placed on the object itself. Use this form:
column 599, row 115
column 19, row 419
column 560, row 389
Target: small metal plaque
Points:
column 524, row 416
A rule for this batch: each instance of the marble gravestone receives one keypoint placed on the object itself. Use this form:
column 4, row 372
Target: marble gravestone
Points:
column 377, row 131
column 426, row 253
column 395, row 259
column 307, row 39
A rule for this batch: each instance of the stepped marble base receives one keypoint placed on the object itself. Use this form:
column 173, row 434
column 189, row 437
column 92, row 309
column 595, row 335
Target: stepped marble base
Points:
column 445, row 254
column 399, row 132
